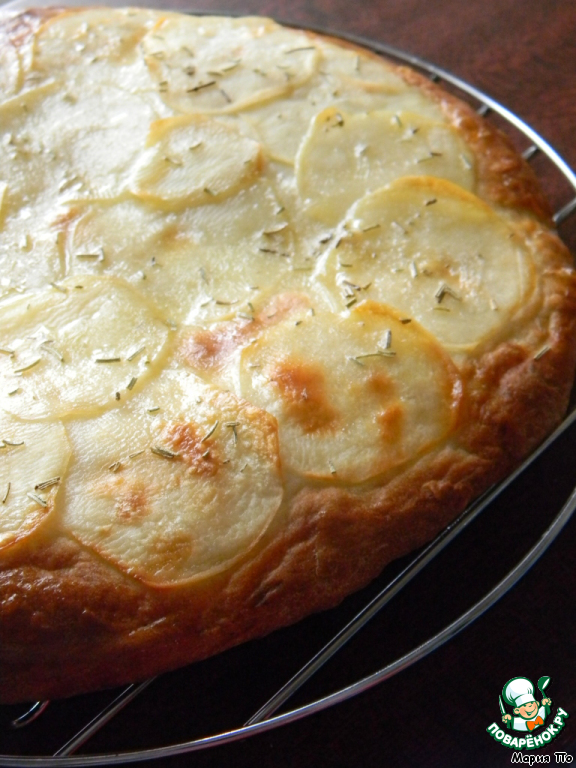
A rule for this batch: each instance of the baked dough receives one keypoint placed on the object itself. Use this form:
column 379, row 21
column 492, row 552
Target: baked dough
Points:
column 272, row 313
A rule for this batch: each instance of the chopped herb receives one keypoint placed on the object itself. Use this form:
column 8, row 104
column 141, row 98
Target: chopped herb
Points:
column 444, row 290
column 233, row 425
column 37, row 499
column 542, row 352
column 351, row 302
column 115, row 466
column 27, row 367
column 205, row 454
column 154, row 409
column 11, row 444
column 201, row 86
column 52, row 350
column 47, row 484
column 59, row 288
column 136, row 453
column 107, row 360
column 14, row 391
column 379, row 353
column 117, row 395
column 134, row 354
column 5, row 497
column 164, row 452
column 413, row 269
column 211, row 431
column 406, row 320
column 229, row 67
column 132, row 382
column 304, row 48
column 373, row 226
column 9, row 352
column 275, row 231
column 332, row 467
column 431, row 201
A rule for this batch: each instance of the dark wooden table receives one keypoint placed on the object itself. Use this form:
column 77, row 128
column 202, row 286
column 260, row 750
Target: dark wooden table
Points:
column 436, row 712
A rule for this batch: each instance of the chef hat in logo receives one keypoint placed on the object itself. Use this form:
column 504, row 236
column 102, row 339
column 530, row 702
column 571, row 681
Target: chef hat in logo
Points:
column 518, row 691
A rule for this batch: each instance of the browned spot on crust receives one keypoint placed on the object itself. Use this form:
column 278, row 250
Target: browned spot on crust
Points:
column 281, row 306
column 204, row 349
column 391, row 421
column 200, row 457
column 303, row 390
column 131, row 504
column 381, row 385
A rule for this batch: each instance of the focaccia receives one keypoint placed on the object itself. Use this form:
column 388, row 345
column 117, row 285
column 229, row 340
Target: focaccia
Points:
column 273, row 311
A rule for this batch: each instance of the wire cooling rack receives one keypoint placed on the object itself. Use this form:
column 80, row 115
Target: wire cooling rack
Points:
column 107, row 706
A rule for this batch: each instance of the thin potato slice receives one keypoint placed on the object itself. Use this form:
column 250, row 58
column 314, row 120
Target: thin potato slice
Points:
column 346, row 80
column 177, row 484
column 437, row 253
column 344, row 156
column 66, row 144
column 202, row 264
column 33, row 462
column 354, row 396
column 76, row 348
column 192, row 160
column 223, row 65
column 94, row 45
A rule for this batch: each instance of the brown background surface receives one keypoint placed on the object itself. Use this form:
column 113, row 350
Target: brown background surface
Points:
column 523, row 54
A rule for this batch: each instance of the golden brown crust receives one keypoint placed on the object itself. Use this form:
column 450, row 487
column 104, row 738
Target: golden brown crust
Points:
column 55, row 594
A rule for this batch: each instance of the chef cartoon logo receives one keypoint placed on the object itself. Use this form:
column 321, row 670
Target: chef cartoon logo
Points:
column 526, row 716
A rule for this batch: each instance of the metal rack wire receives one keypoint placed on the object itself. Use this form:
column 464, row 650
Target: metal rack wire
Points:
column 265, row 718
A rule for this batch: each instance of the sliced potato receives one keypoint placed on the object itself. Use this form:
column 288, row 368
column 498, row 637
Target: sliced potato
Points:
column 70, row 143
column 437, row 253
column 33, row 461
column 354, row 396
column 177, row 484
column 202, row 264
column 344, row 156
column 213, row 64
column 76, row 348
column 94, row 45
column 192, row 160
column 346, row 80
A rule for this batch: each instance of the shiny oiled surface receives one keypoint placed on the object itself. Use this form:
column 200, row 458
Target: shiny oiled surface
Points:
column 437, row 712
